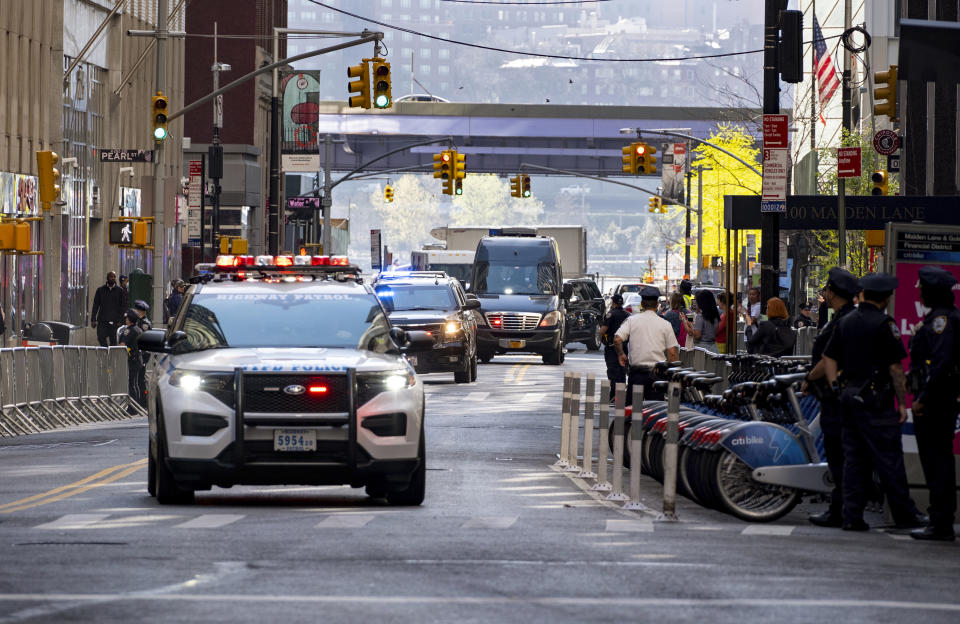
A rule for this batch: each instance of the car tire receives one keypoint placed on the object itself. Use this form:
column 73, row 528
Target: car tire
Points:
column 462, row 376
column 485, row 357
column 593, row 343
column 166, row 489
column 375, row 491
column 151, row 473
column 473, row 368
column 415, row 492
column 555, row 358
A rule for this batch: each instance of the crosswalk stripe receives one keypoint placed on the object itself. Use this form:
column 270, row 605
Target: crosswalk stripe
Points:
column 533, row 397
column 499, row 522
column 353, row 521
column 210, row 521
column 478, row 396
column 767, row 529
column 633, row 526
column 73, row 521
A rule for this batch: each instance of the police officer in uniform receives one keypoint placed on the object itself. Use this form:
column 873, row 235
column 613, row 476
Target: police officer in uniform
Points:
column 142, row 308
column 865, row 353
column 935, row 380
column 842, row 286
column 651, row 340
column 616, row 373
column 129, row 337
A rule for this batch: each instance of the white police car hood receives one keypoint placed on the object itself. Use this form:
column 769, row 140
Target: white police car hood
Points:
column 292, row 360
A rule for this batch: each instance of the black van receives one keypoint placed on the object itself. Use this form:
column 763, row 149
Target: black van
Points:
column 517, row 277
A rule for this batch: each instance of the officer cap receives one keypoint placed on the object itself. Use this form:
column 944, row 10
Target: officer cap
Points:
column 843, row 282
column 617, row 299
column 123, row 278
column 649, row 292
column 936, row 277
column 132, row 315
column 879, row 283
column 140, row 304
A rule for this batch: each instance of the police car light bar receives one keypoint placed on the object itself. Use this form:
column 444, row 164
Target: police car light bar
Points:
column 229, row 263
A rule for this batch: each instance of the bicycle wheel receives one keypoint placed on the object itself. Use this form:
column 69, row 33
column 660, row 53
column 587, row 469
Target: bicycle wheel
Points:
column 741, row 496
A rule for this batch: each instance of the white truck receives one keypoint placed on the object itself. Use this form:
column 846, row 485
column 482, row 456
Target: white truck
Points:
column 571, row 239
column 456, row 263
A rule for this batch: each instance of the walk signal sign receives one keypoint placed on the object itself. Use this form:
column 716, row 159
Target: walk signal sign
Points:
column 159, row 116
column 131, row 232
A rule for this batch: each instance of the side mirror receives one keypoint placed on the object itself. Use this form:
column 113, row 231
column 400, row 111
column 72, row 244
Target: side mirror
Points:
column 399, row 336
column 471, row 304
column 567, row 291
column 154, row 341
column 417, row 342
column 573, row 299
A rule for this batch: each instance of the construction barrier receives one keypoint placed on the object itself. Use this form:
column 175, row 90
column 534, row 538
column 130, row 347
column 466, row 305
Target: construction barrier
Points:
column 44, row 388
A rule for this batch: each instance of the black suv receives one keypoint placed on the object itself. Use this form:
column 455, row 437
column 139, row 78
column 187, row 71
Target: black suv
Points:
column 585, row 310
column 434, row 302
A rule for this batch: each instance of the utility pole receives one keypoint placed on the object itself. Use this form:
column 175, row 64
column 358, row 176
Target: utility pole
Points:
column 770, row 221
column 215, row 152
column 327, row 201
column 686, row 238
column 842, row 182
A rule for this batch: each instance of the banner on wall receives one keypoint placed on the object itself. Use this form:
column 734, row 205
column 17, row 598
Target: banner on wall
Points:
column 130, row 201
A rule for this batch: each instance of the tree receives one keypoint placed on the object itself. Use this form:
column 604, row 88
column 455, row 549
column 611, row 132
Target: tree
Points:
column 486, row 200
column 406, row 222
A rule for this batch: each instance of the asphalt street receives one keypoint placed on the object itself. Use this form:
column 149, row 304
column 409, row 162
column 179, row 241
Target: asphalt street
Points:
column 503, row 536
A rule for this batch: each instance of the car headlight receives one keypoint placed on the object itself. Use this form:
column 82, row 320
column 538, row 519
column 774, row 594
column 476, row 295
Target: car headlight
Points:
column 370, row 385
column 218, row 384
column 550, row 319
column 451, row 327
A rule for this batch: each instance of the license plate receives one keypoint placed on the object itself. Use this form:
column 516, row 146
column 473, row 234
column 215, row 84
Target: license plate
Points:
column 513, row 344
column 412, row 359
column 294, row 440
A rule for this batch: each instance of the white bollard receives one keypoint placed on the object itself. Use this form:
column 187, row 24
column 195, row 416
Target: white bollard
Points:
column 565, row 420
column 603, row 443
column 636, row 422
column 573, row 436
column 587, row 472
column 617, row 491
column 670, row 451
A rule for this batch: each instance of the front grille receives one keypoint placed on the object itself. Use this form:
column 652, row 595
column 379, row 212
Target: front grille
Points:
column 435, row 329
column 512, row 321
column 265, row 394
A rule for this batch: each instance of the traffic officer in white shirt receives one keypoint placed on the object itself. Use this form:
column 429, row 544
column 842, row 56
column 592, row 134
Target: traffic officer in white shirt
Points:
column 651, row 340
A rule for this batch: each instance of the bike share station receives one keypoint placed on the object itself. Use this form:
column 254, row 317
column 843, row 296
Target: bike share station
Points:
column 734, row 434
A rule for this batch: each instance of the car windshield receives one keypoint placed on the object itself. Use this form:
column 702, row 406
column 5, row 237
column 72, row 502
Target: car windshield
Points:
column 416, row 297
column 284, row 320
column 630, row 288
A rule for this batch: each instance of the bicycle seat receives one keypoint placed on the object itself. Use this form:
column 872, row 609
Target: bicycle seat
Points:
column 661, row 386
column 783, row 382
column 703, row 383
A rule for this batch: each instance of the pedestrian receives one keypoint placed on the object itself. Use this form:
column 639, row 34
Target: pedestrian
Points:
column 651, row 340
column 616, row 373
column 723, row 303
column 866, row 347
column 675, row 316
column 753, row 309
column 773, row 336
column 935, row 380
column 705, row 323
column 130, row 337
column 172, row 303
column 839, row 292
column 107, row 310
column 804, row 319
column 823, row 310
column 686, row 289
column 122, row 280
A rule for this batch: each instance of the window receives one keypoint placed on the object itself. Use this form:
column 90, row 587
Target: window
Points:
column 425, row 69
column 405, row 4
column 425, row 53
column 443, row 70
column 443, row 54
column 425, row 4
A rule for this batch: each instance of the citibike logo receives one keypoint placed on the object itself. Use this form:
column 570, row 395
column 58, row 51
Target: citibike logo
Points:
column 746, row 440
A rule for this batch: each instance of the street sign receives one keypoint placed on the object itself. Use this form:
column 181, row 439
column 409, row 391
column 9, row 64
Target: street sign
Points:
column 886, row 142
column 893, row 163
column 194, row 202
column 303, row 203
column 375, row 249
column 775, row 133
column 126, row 155
column 848, row 162
column 776, row 163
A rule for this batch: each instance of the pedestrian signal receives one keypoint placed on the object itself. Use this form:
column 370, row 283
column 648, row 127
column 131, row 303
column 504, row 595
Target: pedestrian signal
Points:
column 141, row 233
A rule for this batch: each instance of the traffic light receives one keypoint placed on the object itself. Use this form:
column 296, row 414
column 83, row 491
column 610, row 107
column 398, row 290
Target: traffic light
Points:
column 654, row 204
column 141, row 233
column 361, row 86
column 48, row 177
column 459, row 165
column 159, row 116
column 382, row 93
column 457, row 186
column 630, row 158
column 525, row 185
column 443, row 169
column 7, row 235
column 879, row 179
column 646, row 161
column 888, row 93
column 516, row 187
column 388, row 194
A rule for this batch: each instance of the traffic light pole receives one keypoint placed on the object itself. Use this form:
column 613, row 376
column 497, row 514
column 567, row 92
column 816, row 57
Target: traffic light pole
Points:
column 159, row 223
column 842, row 182
column 770, row 221
column 686, row 236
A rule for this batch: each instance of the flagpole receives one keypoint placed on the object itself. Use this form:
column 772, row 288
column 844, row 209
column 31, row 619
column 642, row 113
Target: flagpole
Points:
column 813, row 99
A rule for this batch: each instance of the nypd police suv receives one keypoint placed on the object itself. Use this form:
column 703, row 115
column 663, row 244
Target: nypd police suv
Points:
column 284, row 370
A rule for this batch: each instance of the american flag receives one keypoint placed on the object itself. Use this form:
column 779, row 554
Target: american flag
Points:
column 827, row 81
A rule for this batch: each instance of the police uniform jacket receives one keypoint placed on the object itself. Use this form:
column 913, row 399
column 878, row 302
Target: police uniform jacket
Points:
column 865, row 344
column 650, row 336
column 935, row 354
column 612, row 322
column 129, row 336
column 823, row 338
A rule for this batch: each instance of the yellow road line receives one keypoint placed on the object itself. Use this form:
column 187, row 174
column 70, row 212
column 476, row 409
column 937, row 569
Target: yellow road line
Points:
column 512, row 372
column 523, row 371
column 77, row 487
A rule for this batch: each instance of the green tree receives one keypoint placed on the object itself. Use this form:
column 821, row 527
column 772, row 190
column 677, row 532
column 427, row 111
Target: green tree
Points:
column 486, row 200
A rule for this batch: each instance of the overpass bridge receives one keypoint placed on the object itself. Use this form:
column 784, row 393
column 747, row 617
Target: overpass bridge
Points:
column 496, row 138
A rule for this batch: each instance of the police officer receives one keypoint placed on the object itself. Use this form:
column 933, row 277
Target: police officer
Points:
column 651, row 340
column 129, row 337
column 616, row 373
column 142, row 308
column 865, row 352
column 842, row 286
column 935, row 373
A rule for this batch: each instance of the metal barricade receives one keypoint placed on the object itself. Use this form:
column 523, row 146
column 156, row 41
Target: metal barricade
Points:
column 104, row 373
column 20, row 384
column 51, row 383
column 73, row 382
column 90, row 384
column 10, row 424
column 35, row 389
column 11, row 410
column 118, row 390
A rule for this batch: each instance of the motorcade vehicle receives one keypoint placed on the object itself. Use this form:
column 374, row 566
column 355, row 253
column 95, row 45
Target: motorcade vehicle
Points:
column 436, row 303
column 631, row 302
column 284, row 370
column 456, row 263
column 585, row 313
column 571, row 241
column 517, row 277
